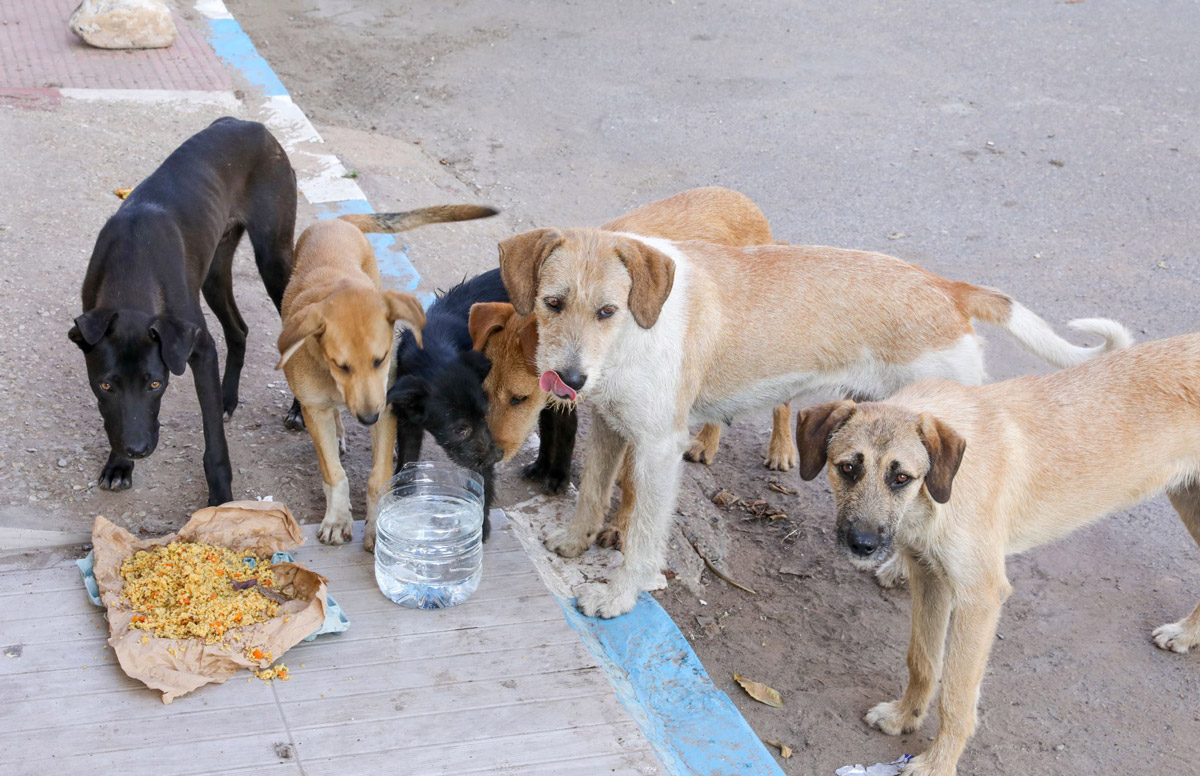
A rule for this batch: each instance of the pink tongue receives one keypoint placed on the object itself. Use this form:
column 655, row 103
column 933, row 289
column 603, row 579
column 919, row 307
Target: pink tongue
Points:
column 552, row 383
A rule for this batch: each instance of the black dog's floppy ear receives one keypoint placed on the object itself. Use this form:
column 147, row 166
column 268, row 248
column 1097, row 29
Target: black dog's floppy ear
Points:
column 177, row 341
column 90, row 327
column 407, row 395
column 521, row 260
column 814, row 426
column 479, row 363
column 945, row 448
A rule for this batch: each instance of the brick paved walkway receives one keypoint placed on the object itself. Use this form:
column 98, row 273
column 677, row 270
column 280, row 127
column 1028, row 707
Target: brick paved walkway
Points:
column 38, row 51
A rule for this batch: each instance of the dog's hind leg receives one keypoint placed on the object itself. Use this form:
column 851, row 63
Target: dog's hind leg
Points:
column 271, row 236
column 1185, row 634
column 781, row 451
column 218, row 292
column 930, row 618
column 604, row 453
column 338, row 524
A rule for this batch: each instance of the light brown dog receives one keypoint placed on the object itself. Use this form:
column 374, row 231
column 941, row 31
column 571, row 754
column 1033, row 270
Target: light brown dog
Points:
column 654, row 334
column 957, row 477
column 336, row 347
column 710, row 214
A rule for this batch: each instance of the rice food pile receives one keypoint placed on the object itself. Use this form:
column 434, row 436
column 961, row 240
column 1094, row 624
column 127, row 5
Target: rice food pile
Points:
column 192, row 590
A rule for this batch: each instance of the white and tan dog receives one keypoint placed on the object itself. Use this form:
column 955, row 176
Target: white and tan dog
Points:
column 957, row 477
column 653, row 334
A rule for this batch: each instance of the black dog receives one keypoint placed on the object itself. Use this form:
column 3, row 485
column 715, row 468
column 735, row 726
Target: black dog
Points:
column 439, row 388
column 174, row 237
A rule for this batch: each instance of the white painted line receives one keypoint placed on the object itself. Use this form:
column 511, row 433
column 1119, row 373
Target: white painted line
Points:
column 288, row 122
column 321, row 176
column 212, row 9
column 154, row 96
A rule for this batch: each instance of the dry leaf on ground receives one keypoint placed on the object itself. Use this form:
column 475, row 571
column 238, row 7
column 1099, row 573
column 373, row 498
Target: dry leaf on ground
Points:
column 122, row 193
column 760, row 692
column 785, row 751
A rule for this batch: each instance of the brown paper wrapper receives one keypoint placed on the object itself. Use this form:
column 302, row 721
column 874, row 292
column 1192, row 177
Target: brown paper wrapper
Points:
column 177, row 666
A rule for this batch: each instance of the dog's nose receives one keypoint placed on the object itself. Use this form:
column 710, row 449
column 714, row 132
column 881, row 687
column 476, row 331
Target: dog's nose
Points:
column 573, row 378
column 495, row 455
column 862, row 542
column 367, row 420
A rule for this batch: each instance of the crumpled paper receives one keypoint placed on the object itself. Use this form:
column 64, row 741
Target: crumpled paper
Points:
column 893, row 768
column 177, row 666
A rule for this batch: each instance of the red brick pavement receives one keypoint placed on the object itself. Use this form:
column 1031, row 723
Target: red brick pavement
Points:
column 38, row 51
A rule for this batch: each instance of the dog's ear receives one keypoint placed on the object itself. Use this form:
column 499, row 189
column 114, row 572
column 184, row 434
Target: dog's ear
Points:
column 521, row 260
column 945, row 448
column 91, row 327
column 527, row 335
column 407, row 397
column 405, row 307
column 176, row 339
column 652, row 274
column 814, row 426
column 302, row 324
column 485, row 319
column 477, row 362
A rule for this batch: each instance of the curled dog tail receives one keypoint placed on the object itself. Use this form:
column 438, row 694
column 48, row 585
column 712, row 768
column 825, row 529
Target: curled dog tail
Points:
column 400, row 222
column 1035, row 334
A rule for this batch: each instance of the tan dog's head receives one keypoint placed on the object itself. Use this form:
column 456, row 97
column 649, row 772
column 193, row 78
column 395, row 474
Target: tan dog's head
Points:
column 352, row 329
column 514, row 399
column 885, row 464
column 584, row 286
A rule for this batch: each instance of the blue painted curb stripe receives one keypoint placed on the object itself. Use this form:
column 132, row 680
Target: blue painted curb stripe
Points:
column 693, row 726
column 235, row 48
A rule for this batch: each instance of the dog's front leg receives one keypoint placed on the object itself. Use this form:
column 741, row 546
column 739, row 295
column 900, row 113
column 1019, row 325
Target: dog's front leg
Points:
column 656, row 467
column 338, row 524
column 930, row 617
column 383, row 451
column 605, row 449
column 972, row 631
column 206, row 372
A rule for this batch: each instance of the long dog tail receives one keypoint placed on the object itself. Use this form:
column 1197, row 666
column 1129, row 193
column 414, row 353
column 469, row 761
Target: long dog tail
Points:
column 1035, row 334
column 400, row 222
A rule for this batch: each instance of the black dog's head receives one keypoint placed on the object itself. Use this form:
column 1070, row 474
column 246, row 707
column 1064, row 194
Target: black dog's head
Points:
column 453, row 407
column 130, row 356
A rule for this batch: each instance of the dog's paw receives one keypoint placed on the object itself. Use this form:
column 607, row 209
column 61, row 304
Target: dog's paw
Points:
column 780, row 460
column 700, row 452
column 336, row 531
column 893, row 573
column 920, row 766
column 597, row 599
column 1176, row 636
column 294, row 420
column 369, row 537
column 564, row 543
column 117, row 475
column 228, row 409
column 609, row 538
column 535, row 471
column 889, row 718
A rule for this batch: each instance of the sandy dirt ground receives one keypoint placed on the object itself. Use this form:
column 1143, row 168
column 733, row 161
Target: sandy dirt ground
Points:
column 1048, row 149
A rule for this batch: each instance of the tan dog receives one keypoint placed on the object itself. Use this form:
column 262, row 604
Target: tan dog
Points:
column 710, row 214
column 336, row 347
column 958, row 477
column 654, row 334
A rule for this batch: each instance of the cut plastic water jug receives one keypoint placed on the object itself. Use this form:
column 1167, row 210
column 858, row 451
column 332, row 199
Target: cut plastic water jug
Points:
column 429, row 535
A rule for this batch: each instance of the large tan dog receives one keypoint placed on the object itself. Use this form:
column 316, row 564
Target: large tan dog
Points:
column 336, row 347
column 654, row 334
column 711, row 214
column 958, row 477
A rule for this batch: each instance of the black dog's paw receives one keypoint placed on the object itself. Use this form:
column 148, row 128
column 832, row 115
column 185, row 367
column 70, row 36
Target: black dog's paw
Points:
column 555, row 482
column 117, row 475
column 229, row 405
column 294, row 420
column 535, row 471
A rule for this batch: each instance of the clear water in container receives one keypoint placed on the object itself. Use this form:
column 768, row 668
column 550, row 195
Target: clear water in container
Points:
column 428, row 546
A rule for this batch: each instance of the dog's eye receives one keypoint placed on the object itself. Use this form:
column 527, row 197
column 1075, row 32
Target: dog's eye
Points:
column 344, row 367
column 514, row 401
column 553, row 302
column 377, row 362
column 606, row 311
column 105, row 385
column 155, row 385
column 846, row 468
column 901, row 480
column 462, row 432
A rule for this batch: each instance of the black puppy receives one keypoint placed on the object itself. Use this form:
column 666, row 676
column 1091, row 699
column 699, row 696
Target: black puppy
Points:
column 439, row 388
column 174, row 237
